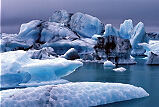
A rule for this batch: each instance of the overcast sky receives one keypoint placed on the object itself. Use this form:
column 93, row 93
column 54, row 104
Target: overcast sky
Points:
column 16, row 12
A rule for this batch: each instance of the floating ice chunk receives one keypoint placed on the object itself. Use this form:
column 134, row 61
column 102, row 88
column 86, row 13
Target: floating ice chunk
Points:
column 86, row 25
column 110, row 31
column 71, row 54
column 95, row 37
column 121, row 69
column 108, row 64
column 81, row 94
column 18, row 67
column 61, row 16
column 50, row 69
column 126, row 29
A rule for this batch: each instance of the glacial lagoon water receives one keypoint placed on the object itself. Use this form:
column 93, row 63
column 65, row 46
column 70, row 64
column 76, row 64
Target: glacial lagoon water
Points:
column 140, row 75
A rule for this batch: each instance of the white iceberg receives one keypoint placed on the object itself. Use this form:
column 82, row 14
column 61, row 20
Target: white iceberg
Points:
column 108, row 64
column 17, row 67
column 110, row 31
column 126, row 29
column 81, row 94
column 121, row 69
column 86, row 25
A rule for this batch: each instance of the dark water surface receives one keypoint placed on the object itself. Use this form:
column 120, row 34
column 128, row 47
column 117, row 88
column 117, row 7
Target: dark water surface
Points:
column 140, row 75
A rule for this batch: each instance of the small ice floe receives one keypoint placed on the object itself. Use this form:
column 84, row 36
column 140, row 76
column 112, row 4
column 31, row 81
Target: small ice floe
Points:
column 108, row 64
column 121, row 69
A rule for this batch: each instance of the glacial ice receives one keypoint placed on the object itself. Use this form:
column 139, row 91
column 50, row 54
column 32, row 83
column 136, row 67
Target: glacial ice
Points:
column 110, row 31
column 83, row 45
column 17, row 67
column 44, row 53
column 126, row 29
column 71, row 54
column 152, row 46
column 108, row 64
column 121, row 69
column 138, row 36
column 95, row 37
column 28, row 35
column 86, row 25
column 53, row 31
column 61, row 16
column 81, row 94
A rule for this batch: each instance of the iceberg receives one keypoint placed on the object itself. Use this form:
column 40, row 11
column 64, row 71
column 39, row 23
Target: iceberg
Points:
column 81, row 94
column 82, row 45
column 17, row 67
column 108, row 64
column 86, row 25
column 121, row 69
column 152, row 46
column 71, row 54
column 61, row 16
column 153, row 59
column 28, row 35
column 114, row 49
column 44, row 53
column 138, row 36
column 53, row 31
column 126, row 29
column 110, row 31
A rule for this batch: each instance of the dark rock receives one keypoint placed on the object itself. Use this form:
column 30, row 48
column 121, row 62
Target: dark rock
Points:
column 153, row 36
column 153, row 59
column 114, row 49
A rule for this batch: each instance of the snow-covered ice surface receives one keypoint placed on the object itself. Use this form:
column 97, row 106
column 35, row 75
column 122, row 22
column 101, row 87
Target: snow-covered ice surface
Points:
column 121, row 69
column 108, row 64
column 81, row 94
column 17, row 67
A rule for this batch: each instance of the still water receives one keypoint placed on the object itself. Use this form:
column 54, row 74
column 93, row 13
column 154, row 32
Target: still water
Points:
column 140, row 75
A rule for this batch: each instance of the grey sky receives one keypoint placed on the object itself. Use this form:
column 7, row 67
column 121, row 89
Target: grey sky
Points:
column 16, row 12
